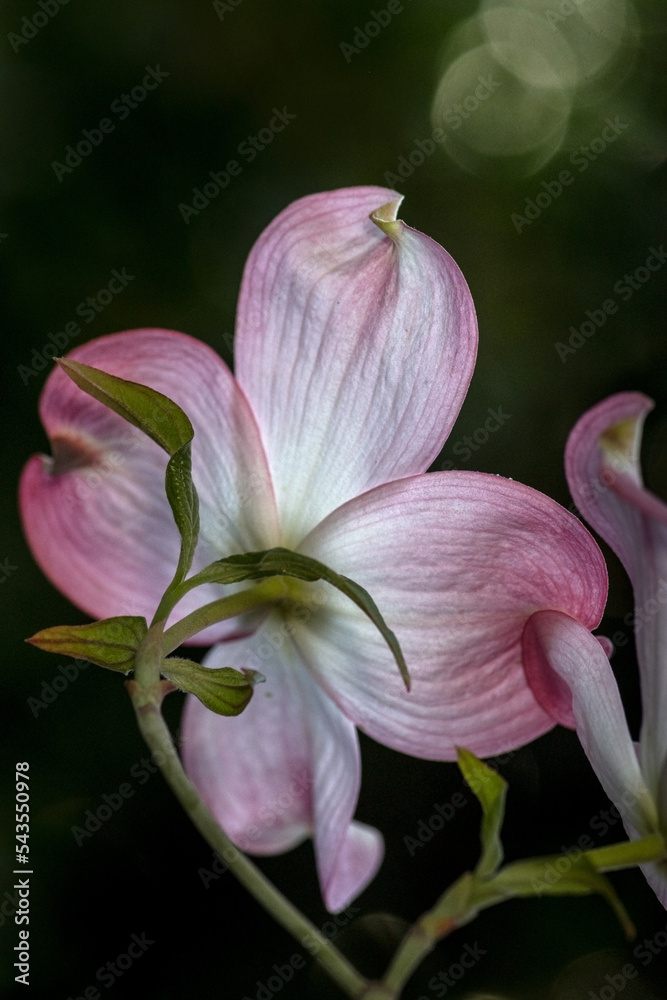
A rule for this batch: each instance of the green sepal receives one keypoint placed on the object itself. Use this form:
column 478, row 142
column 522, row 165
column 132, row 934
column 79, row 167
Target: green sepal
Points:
column 284, row 562
column 490, row 789
column 223, row 690
column 559, row 875
column 111, row 643
column 166, row 424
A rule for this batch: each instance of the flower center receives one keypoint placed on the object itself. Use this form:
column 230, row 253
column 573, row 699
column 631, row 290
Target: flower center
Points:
column 296, row 600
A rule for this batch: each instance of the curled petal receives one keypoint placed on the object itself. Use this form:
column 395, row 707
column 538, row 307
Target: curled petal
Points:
column 602, row 464
column 456, row 562
column 96, row 514
column 288, row 767
column 356, row 341
column 604, row 475
column 555, row 642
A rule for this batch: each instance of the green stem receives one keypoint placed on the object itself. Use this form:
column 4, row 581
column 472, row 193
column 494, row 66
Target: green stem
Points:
column 262, row 596
column 146, row 699
column 627, row 854
column 454, row 908
column 466, row 897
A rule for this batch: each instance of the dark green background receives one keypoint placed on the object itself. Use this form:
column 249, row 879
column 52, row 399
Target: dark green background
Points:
column 119, row 209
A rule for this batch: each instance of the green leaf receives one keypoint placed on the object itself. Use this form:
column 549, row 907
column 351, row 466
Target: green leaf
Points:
column 284, row 562
column 224, row 690
column 149, row 410
column 111, row 643
column 487, row 785
column 570, row 874
column 184, row 503
column 166, row 423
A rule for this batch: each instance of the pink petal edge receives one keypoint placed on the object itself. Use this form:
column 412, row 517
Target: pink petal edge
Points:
column 286, row 768
column 355, row 344
column 101, row 527
column 457, row 563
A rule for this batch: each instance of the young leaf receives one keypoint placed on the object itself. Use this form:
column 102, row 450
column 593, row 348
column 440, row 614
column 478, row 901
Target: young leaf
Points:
column 284, row 562
column 184, row 503
column 223, row 690
column 111, row 643
column 149, row 410
column 487, row 785
column 166, row 423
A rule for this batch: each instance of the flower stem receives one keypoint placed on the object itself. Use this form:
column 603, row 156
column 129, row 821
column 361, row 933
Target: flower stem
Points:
column 147, row 699
column 627, row 854
column 261, row 596
column 455, row 907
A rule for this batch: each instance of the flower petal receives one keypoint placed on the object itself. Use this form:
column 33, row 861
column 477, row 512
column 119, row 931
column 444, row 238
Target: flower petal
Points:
column 457, row 562
column 656, row 876
column 602, row 464
column 287, row 767
column 355, row 344
column 96, row 515
column 555, row 642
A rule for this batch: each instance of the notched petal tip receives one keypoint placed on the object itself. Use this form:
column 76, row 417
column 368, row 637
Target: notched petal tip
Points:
column 385, row 218
column 621, row 441
column 69, row 453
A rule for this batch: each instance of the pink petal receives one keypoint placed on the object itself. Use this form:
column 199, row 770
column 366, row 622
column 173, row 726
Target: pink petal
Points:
column 554, row 642
column 570, row 658
column 286, row 768
column 604, row 475
column 602, row 463
column 97, row 518
column 656, row 876
column 355, row 347
column 457, row 562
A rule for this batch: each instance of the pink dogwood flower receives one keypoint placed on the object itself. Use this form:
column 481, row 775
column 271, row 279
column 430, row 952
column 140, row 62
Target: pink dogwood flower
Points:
column 355, row 344
column 570, row 670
